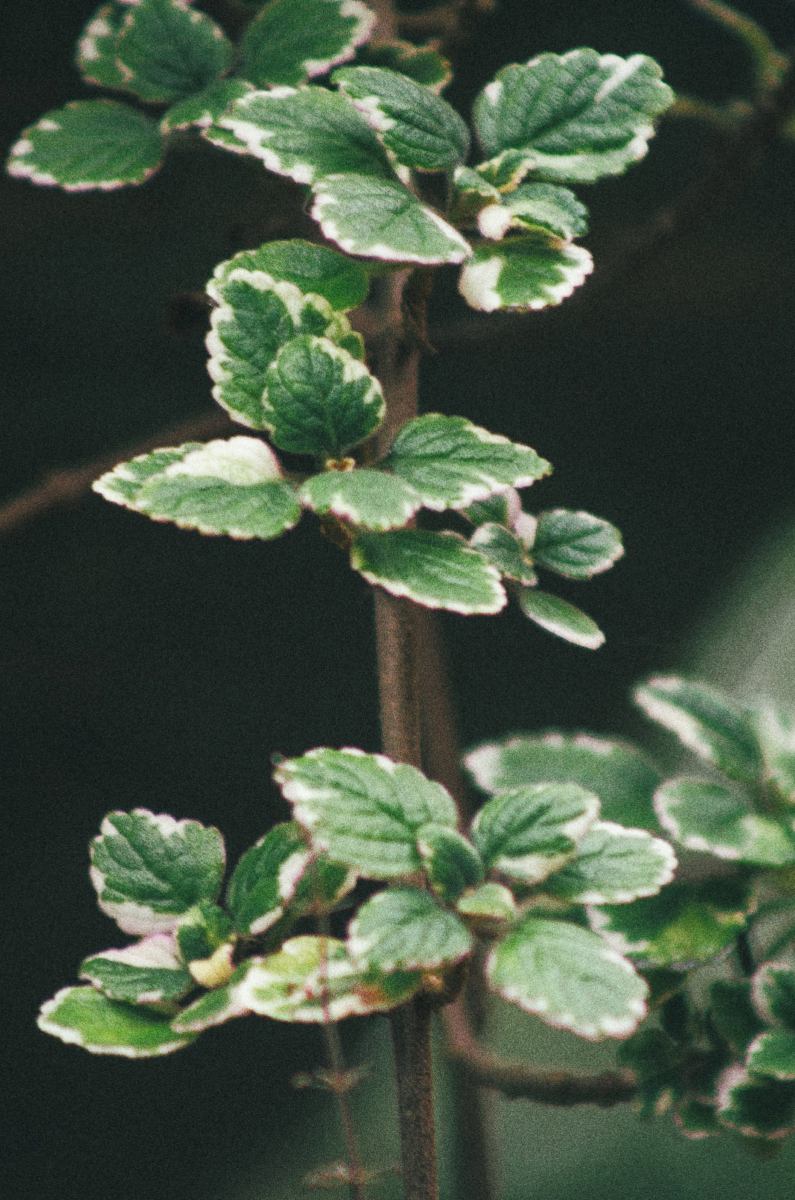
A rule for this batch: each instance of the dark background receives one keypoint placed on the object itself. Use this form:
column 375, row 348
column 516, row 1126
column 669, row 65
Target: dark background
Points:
column 146, row 666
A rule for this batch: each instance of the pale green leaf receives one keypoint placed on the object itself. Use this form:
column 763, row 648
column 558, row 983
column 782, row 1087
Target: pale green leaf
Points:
column 569, row 977
column 575, row 544
column 523, row 272
column 319, row 399
column 423, row 64
column 560, row 618
column 231, row 487
column 149, row 870
column 86, row 145
column 537, row 207
column 451, row 862
column 502, row 508
column 754, row 1106
column 364, row 810
column 437, row 570
column 773, row 1054
column 505, row 551
column 452, row 463
column 203, row 109
column 307, row 134
column 573, row 117
column 614, row 865
column 622, row 778
column 314, row 269
column 380, row 218
column 530, row 832
column 255, row 316
column 207, row 929
column 312, row 979
column 732, row 1015
column 290, row 41
column 775, row 730
column 168, row 51
column 716, row 820
column 95, row 56
column 82, row 1016
column 370, row 499
column 488, row 903
column 418, row 128
column 215, row 1007
column 774, row 993
column 266, row 877
column 706, row 721
column 684, row 925
column 404, row 929
column 148, row 972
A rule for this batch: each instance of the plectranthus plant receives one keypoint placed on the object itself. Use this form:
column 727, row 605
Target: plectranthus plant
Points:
column 380, row 895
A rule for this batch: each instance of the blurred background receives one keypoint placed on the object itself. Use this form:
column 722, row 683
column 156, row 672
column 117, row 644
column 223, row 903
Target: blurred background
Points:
column 146, row 666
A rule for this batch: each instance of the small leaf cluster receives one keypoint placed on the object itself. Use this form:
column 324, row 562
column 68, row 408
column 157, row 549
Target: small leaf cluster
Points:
column 534, row 857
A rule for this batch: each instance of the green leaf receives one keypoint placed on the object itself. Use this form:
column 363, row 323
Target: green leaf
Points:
column 312, row 268
column 204, row 108
column 756, row 1107
column 575, row 544
column 370, row 499
column 312, row 979
column 437, row 570
column 505, row 551
column 773, row 1054
column 775, row 730
column 380, row 218
column 168, row 51
column 95, row 57
column 502, row 508
column 423, row 64
column 622, row 778
column 319, row 399
column 452, row 463
column 569, row 977
column 150, row 870
column 774, row 993
column 716, row 820
column 215, row 1007
column 320, row 888
column 231, row 487
column 655, row 1060
column 307, row 134
column 404, row 929
column 149, row 972
column 86, row 145
column 209, row 928
column 490, row 902
column 265, row 879
column 530, row 832
column 535, row 207
column 613, row 865
column 706, row 721
column 524, row 272
column 575, row 117
column 420, row 129
column 255, row 316
column 364, row 810
column 82, row 1016
column 560, row 618
column 451, row 862
column 731, row 1014
column 686, row 924
column 293, row 40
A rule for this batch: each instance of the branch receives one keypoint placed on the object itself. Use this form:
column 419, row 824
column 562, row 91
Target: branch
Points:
column 519, row 1080
column 768, row 62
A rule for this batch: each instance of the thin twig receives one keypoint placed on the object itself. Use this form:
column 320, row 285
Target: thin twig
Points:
column 768, row 61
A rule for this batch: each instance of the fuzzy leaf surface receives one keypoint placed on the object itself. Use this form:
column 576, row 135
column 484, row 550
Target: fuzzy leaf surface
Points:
column 168, row 51
column 420, row 129
column 364, row 810
column 82, row 1016
column 266, row 877
column 716, row 820
column 148, row 972
column 613, row 865
column 95, row 56
column 523, row 273
column 505, row 551
column 380, row 218
column 437, row 570
column 452, row 463
column 319, row 399
column 290, row 41
column 232, row 487
column 705, row 721
column 451, row 862
column 423, row 64
column 149, row 870
column 576, row 544
column 202, row 109
column 370, row 499
column 534, row 207
column 775, row 730
column 774, row 993
column 312, row 979
column 569, row 977
column 404, row 929
column 488, row 901
column 560, row 618
column 88, row 145
column 755, row 1106
column 575, row 117
column 307, row 134
column 216, row 1007
column 622, row 778
column 312, row 268
column 530, row 832
column 773, row 1054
